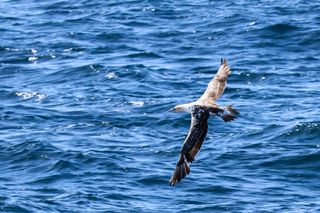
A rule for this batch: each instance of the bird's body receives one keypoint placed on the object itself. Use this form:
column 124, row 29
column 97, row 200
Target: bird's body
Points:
column 200, row 111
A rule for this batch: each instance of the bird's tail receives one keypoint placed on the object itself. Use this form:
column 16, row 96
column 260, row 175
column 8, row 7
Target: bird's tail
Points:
column 182, row 169
column 229, row 114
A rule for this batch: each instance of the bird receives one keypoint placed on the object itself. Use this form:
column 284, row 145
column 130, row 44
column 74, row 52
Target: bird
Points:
column 200, row 111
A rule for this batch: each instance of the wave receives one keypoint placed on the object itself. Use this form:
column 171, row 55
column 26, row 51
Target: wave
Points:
column 144, row 55
column 301, row 132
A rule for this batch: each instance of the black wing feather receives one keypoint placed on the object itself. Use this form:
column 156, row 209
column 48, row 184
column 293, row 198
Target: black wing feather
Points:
column 192, row 144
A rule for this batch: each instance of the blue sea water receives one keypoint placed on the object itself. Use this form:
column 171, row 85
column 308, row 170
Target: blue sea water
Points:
column 85, row 87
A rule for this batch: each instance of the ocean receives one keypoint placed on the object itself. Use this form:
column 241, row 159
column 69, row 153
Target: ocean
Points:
column 85, row 89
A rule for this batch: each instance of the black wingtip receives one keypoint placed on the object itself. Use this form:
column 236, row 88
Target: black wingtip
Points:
column 232, row 110
column 228, row 117
column 181, row 171
column 223, row 61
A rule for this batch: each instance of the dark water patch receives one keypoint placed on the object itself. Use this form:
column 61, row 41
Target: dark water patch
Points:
column 193, row 59
column 63, row 165
column 144, row 55
column 297, row 161
column 215, row 189
column 153, row 180
column 137, row 24
column 282, row 28
column 168, row 34
column 15, row 208
column 112, row 36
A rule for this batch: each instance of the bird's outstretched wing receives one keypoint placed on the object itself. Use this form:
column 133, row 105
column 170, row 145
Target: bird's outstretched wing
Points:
column 192, row 144
column 217, row 85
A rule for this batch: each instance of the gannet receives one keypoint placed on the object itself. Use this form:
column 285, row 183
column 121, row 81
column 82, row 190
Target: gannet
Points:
column 200, row 111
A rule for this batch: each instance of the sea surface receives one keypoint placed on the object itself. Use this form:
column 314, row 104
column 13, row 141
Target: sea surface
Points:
column 85, row 89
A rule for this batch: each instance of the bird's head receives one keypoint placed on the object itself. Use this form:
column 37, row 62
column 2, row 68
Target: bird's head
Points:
column 181, row 108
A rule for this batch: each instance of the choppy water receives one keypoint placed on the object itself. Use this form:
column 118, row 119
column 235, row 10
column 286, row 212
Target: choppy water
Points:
column 85, row 89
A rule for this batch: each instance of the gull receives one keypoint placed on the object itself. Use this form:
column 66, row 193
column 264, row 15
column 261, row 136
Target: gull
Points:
column 200, row 111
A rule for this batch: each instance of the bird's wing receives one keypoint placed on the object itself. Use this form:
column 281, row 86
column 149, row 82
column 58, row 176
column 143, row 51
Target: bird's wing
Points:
column 217, row 85
column 192, row 144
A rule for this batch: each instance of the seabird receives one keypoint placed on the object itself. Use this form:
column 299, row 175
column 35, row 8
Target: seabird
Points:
column 200, row 111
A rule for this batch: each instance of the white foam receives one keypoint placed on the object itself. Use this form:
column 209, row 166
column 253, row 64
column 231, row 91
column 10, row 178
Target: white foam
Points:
column 137, row 103
column 30, row 95
column 111, row 75
column 32, row 59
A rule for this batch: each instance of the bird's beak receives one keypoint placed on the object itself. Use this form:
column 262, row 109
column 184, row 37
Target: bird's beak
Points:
column 172, row 110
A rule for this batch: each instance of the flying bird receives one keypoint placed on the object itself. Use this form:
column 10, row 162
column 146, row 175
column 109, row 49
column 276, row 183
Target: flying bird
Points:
column 200, row 111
